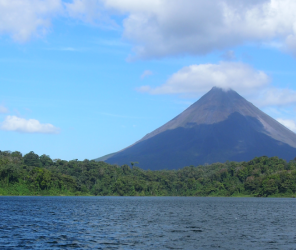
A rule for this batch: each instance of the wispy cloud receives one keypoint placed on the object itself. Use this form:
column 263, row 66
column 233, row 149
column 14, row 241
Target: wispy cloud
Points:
column 3, row 109
column 228, row 55
column 290, row 124
column 111, row 43
column 276, row 97
column 14, row 123
column 123, row 116
column 67, row 49
column 146, row 73
column 92, row 12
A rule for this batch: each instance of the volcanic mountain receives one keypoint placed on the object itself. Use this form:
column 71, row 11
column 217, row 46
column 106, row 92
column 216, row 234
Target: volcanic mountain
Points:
column 221, row 126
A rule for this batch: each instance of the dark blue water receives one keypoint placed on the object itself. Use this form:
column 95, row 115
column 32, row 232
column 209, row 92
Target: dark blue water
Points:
column 147, row 223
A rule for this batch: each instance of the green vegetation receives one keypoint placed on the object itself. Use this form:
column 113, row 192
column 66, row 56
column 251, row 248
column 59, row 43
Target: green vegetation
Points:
column 40, row 175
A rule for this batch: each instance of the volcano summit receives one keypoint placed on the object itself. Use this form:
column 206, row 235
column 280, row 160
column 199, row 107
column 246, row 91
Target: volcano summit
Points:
column 221, row 126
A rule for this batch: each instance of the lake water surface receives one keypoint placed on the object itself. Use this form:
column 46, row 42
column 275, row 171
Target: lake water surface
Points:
column 147, row 223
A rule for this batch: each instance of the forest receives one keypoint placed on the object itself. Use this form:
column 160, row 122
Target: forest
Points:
column 32, row 174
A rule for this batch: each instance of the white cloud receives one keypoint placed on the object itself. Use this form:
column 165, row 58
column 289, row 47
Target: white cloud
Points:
column 200, row 78
column 90, row 11
column 22, row 19
column 161, row 28
column 146, row 73
column 276, row 97
column 3, row 109
column 228, row 55
column 290, row 124
column 14, row 123
column 84, row 10
column 196, row 80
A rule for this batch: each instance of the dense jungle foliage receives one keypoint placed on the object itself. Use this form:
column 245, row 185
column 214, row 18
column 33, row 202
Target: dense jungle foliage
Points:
column 32, row 174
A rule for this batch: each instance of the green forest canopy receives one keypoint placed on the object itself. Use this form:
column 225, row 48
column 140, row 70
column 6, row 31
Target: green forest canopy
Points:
column 32, row 174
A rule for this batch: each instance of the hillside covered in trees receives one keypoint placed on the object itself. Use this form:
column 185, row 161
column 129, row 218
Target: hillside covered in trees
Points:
column 32, row 174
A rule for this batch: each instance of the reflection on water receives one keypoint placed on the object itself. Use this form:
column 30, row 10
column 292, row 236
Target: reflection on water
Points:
column 147, row 223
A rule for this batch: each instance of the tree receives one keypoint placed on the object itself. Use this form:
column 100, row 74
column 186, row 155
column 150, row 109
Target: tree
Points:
column 269, row 187
column 17, row 154
column 125, row 169
column 32, row 159
column 46, row 160
column 133, row 163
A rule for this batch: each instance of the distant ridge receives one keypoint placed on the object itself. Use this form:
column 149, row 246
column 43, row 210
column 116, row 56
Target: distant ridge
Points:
column 220, row 126
column 105, row 157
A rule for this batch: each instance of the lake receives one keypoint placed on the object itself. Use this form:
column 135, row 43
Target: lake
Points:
column 147, row 223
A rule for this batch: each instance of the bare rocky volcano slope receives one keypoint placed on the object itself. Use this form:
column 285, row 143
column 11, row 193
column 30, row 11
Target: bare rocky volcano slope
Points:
column 220, row 126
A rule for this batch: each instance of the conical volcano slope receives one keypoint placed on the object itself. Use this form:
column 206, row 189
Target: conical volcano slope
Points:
column 221, row 126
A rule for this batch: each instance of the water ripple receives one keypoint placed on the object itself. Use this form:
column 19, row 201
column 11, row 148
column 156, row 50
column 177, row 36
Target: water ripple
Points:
column 146, row 223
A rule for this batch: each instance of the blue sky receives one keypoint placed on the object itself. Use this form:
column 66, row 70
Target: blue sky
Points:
column 84, row 78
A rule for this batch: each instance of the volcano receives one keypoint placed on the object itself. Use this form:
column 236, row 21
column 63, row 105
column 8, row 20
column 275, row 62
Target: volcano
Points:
column 221, row 126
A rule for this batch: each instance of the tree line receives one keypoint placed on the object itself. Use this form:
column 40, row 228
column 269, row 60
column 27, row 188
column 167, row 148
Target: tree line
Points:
column 32, row 174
